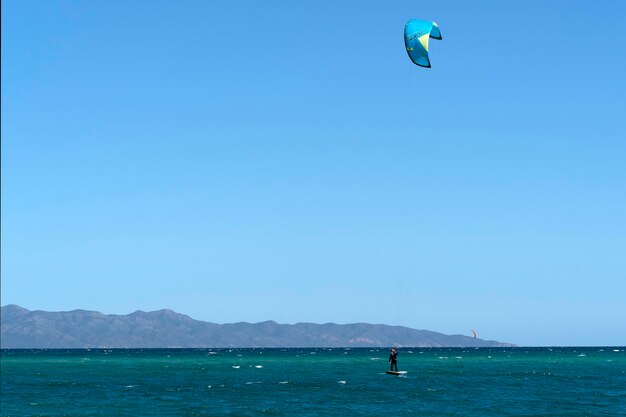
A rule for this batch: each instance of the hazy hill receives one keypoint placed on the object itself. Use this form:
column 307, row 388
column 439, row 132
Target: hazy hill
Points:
column 21, row 328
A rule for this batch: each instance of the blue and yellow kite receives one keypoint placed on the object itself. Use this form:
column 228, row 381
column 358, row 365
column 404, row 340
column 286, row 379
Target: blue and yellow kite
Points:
column 416, row 35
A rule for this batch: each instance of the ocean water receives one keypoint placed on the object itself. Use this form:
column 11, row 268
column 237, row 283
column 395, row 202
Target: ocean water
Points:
column 314, row 382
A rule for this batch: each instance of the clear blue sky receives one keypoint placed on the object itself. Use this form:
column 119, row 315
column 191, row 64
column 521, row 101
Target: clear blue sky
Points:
column 246, row 161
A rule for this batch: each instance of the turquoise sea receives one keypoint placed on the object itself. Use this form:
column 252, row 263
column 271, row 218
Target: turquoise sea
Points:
column 314, row 382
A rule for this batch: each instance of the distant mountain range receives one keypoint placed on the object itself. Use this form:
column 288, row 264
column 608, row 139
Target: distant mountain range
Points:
column 21, row 328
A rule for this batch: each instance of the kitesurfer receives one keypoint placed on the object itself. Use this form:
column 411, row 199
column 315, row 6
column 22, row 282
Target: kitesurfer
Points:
column 393, row 360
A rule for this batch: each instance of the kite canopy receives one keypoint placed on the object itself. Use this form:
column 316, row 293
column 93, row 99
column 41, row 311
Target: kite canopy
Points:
column 416, row 35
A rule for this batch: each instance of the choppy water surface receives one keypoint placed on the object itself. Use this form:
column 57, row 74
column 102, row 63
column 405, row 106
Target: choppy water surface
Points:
column 314, row 382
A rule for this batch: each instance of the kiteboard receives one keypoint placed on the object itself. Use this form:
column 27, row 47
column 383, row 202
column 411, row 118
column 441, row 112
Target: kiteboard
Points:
column 396, row 373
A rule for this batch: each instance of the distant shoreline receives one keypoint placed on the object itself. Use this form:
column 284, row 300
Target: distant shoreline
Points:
column 162, row 329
